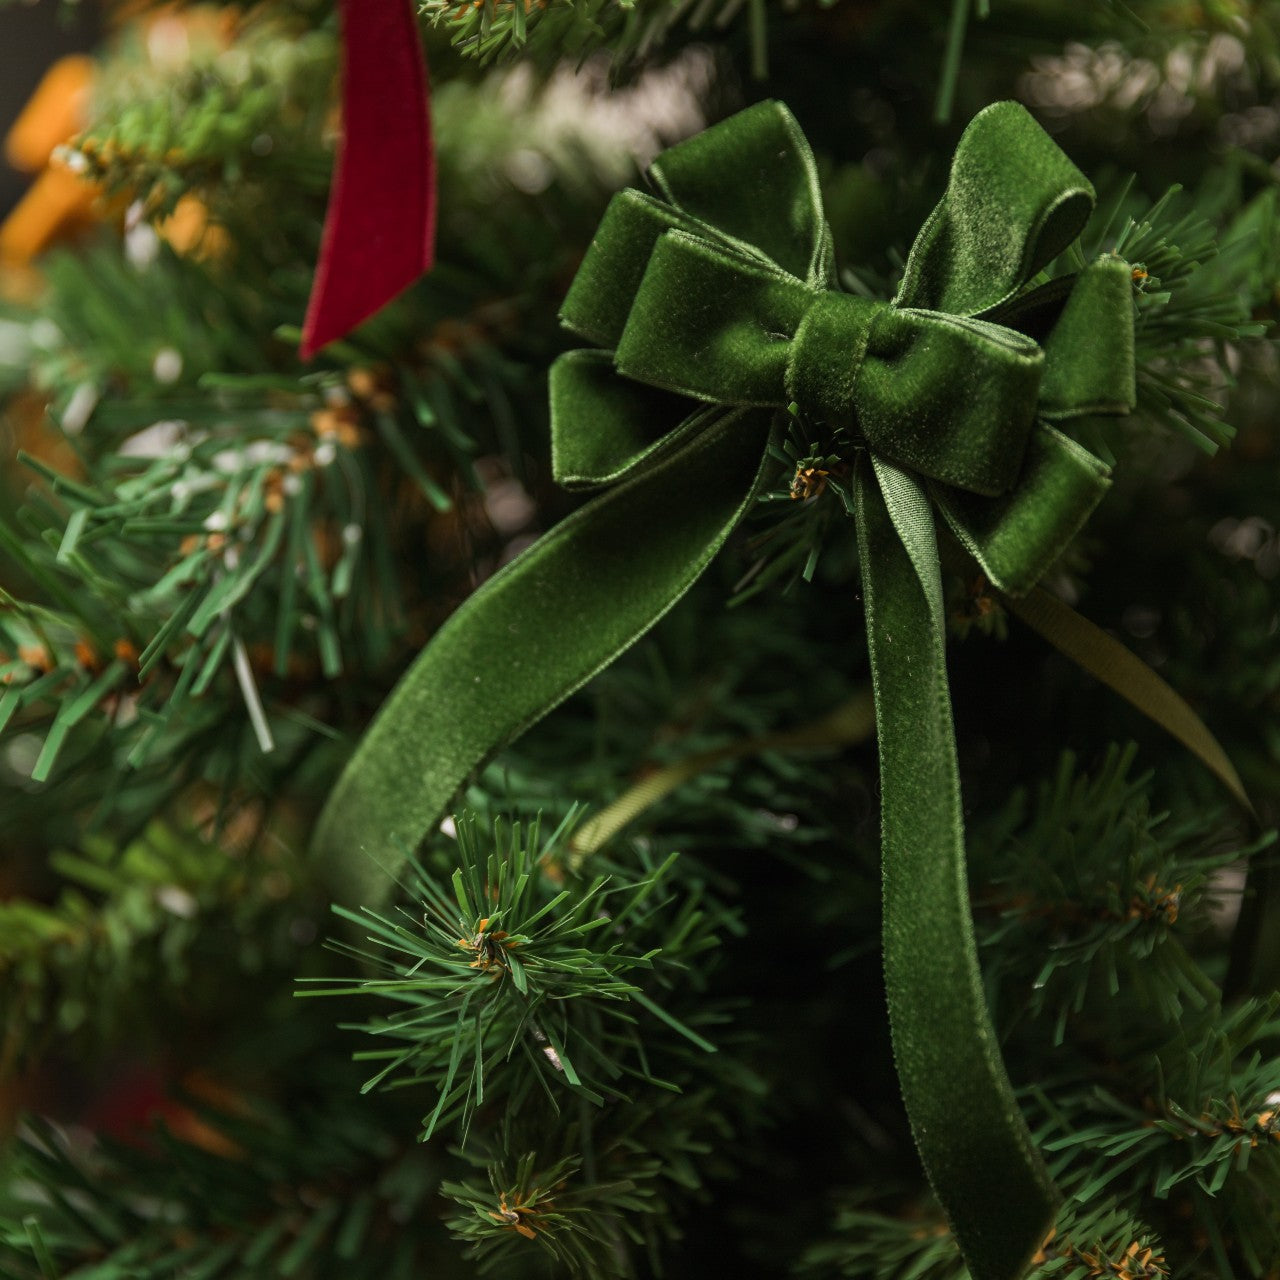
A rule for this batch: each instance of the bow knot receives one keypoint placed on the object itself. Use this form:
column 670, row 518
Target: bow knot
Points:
column 827, row 354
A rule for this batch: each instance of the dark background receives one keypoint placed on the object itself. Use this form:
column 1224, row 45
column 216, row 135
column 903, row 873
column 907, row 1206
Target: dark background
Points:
column 32, row 35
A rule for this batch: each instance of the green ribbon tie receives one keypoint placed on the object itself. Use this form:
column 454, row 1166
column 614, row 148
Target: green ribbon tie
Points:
column 714, row 306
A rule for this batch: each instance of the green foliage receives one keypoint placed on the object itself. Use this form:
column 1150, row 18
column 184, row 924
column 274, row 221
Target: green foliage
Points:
column 512, row 983
column 1183, row 326
column 817, row 477
column 1088, row 1244
column 1196, row 1127
column 574, row 1224
column 1090, row 890
column 128, row 941
column 1178, row 1122
column 308, row 1194
column 623, row 1192
column 573, row 29
column 219, row 584
column 565, row 1016
column 173, row 533
column 233, row 126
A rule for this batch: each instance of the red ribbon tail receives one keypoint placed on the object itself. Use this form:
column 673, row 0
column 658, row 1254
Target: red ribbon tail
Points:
column 379, row 231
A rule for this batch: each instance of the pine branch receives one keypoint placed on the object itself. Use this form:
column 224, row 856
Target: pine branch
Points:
column 224, row 567
column 129, row 937
column 235, row 119
column 521, row 975
column 1101, row 1242
column 1090, row 890
column 573, row 29
column 600, row 1191
column 1183, row 326
column 311, row 1195
column 1197, row 1128
column 159, row 568
column 815, row 482
column 574, row 1223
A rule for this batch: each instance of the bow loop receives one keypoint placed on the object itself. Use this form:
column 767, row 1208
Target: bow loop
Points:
column 633, row 425
column 753, row 178
column 1016, row 537
column 750, row 184
column 1089, row 364
column 600, row 297
column 1013, row 203
column 712, row 325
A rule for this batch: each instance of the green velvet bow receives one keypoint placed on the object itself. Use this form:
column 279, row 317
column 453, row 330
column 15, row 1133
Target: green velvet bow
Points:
column 717, row 304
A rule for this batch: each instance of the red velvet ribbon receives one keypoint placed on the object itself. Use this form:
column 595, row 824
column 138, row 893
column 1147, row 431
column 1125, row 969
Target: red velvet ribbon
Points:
column 379, row 232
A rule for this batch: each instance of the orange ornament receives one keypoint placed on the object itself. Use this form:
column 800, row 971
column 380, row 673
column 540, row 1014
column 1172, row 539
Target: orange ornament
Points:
column 59, row 202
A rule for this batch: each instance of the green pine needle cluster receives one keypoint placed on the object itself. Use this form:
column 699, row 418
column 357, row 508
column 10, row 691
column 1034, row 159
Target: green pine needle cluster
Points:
column 572, row 29
column 269, row 1194
column 1103, row 1243
column 575, row 1225
column 241, row 121
column 1091, row 891
column 1183, row 327
column 1195, row 1129
column 801, row 513
column 523, row 977
column 536, row 1004
column 130, row 939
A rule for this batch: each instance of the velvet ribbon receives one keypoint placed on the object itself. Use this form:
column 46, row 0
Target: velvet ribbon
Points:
column 715, row 308
column 379, row 230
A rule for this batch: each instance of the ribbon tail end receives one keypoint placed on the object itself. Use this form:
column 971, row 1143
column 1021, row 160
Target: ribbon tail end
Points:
column 379, row 229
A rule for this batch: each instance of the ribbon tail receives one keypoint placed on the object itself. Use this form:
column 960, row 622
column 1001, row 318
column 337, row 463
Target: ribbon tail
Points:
column 1107, row 660
column 379, row 230
column 529, row 637
column 974, row 1144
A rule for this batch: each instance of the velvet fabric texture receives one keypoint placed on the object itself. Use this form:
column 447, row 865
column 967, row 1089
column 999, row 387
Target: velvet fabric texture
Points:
column 717, row 306
column 380, row 227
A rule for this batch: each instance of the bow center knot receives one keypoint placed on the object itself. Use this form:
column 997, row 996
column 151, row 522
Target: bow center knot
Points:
column 826, row 355
column 951, row 397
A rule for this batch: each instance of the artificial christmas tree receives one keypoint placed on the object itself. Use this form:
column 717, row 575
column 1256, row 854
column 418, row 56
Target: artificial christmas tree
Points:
column 603, row 793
